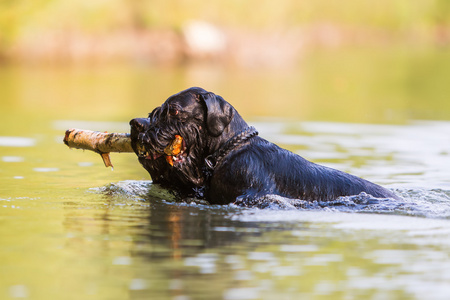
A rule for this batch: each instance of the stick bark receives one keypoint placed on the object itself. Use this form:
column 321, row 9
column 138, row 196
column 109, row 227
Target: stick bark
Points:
column 101, row 142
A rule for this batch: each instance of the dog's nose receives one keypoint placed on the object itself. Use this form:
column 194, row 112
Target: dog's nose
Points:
column 139, row 124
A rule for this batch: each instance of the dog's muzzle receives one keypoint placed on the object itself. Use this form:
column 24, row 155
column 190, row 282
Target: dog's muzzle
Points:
column 175, row 153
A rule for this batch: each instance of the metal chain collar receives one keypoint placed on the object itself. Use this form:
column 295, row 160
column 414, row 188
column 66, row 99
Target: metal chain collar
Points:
column 212, row 160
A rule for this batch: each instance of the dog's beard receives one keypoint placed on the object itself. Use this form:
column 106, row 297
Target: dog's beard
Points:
column 183, row 170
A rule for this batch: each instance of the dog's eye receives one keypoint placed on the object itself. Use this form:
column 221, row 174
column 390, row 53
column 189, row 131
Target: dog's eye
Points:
column 173, row 112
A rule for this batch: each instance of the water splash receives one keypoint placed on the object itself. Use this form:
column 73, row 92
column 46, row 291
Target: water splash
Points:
column 414, row 202
column 134, row 190
column 434, row 203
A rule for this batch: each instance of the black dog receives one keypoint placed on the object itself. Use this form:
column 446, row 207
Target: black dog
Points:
column 223, row 160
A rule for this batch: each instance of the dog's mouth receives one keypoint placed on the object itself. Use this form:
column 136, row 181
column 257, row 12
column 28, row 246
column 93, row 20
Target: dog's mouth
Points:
column 174, row 153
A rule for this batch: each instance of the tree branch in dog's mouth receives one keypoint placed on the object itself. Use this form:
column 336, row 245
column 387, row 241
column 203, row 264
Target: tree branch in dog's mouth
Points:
column 100, row 142
column 103, row 143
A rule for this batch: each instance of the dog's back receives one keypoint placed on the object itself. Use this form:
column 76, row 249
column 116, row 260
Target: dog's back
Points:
column 260, row 167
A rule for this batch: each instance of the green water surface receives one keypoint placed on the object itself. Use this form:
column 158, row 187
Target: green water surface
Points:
column 72, row 229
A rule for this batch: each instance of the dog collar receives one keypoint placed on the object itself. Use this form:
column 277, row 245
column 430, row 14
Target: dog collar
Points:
column 212, row 160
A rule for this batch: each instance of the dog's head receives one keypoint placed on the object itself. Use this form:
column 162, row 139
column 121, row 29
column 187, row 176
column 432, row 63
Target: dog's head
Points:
column 174, row 140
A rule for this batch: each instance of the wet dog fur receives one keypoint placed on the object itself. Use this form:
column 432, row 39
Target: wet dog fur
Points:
column 250, row 170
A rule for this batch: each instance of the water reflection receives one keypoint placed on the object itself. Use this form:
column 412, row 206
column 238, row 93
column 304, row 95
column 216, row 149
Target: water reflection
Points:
column 259, row 260
column 74, row 229
column 13, row 159
column 258, row 254
column 14, row 141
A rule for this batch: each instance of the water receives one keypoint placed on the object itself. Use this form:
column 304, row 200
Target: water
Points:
column 72, row 229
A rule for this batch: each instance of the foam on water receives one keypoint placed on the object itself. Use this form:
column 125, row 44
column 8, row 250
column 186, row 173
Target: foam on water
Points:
column 430, row 204
column 418, row 202
column 128, row 189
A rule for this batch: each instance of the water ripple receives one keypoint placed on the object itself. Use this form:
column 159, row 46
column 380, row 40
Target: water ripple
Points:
column 428, row 203
column 15, row 141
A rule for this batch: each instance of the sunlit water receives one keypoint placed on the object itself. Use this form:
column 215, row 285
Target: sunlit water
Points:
column 72, row 229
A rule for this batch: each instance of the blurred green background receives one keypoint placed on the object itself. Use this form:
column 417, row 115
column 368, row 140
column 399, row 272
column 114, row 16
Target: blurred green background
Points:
column 385, row 22
column 353, row 61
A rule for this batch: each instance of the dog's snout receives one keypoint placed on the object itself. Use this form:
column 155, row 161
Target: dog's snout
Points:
column 139, row 124
column 141, row 138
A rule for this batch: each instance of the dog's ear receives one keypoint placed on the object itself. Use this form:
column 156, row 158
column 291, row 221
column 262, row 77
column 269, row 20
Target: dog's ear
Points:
column 218, row 113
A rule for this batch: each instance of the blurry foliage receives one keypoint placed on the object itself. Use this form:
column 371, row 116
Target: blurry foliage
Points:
column 18, row 16
column 441, row 13
column 44, row 25
column 13, row 15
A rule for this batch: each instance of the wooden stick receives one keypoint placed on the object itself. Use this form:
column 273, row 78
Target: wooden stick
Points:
column 100, row 142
